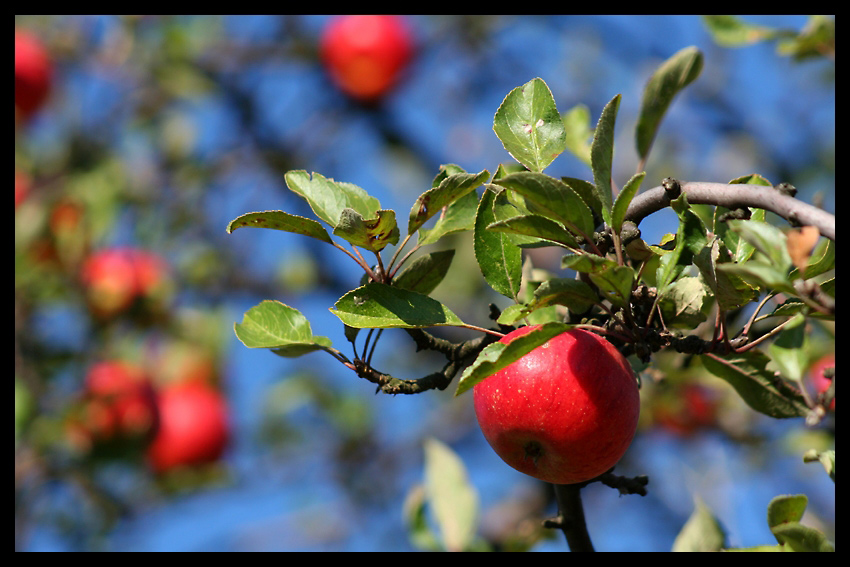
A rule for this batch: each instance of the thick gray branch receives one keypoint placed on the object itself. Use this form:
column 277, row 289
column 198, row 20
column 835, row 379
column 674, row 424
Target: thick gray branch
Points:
column 734, row 196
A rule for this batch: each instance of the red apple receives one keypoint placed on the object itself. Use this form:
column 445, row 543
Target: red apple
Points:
column 817, row 379
column 194, row 427
column 365, row 54
column 120, row 402
column 115, row 278
column 22, row 187
column 110, row 280
column 33, row 72
column 686, row 408
column 564, row 413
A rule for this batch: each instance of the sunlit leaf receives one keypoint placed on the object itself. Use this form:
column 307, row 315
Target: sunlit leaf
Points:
column 380, row 306
column 602, row 155
column 272, row 324
column 279, row 220
column 499, row 259
column 579, row 133
column 452, row 498
column 553, row 199
column 624, row 198
column 447, row 192
column 672, row 76
column 328, row 198
column 756, row 385
column 372, row 234
column 529, row 126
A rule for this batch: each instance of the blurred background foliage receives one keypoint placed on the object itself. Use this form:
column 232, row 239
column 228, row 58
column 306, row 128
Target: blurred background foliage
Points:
column 159, row 130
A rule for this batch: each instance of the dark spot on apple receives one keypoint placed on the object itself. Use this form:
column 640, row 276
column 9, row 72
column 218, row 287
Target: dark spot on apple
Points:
column 533, row 451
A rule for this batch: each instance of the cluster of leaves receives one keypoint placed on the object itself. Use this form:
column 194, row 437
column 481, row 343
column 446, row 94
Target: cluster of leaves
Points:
column 816, row 39
column 703, row 532
column 636, row 293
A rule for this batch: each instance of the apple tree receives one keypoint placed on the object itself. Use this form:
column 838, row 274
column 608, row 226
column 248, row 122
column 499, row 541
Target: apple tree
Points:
column 729, row 292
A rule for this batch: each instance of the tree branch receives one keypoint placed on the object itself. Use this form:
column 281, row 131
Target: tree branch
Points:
column 733, row 196
column 570, row 518
column 459, row 355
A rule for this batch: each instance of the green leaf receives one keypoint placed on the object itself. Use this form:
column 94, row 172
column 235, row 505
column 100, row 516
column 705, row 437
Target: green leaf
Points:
column 757, row 386
column 690, row 240
column 826, row 458
column 574, row 294
column 552, row 199
column 458, row 217
column 783, row 517
column 767, row 239
column 416, row 519
column 624, row 198
column 529, row 126
column 785, row 509
column 672, row 76
column 587, row 191
column 446, row 170
column 587, row 263
column 496, row 356
column 729, row 290
column 426, row 272
column 789, row 351
column 271, row 324
column 760, row 275
column 447, row 192
column 328, row 198
column 821, row 261
column 537, row 227
column 741, row 249
column 498, row 257
column 372, row 234
column 602, row 155
column 682, row 303
column 798, row 537
column 732, row 31
column 279, row 220
column 579, row 134
column 453, row 500
column 380, row 306
column 816, row 39
column 702, row 531
column 615, row 284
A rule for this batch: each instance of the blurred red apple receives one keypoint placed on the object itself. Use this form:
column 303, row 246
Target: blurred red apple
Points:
column 22, row 187
column 194, row 426
column 365, row 54
column 115, row 278
column 33, row 73
column 686, row 409
column 120, row 402
column 817, row 379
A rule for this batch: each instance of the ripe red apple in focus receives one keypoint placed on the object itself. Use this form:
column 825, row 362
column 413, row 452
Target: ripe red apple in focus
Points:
column 194, row 427
column 365, row 54
column 565, row 412
column 33, row 72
